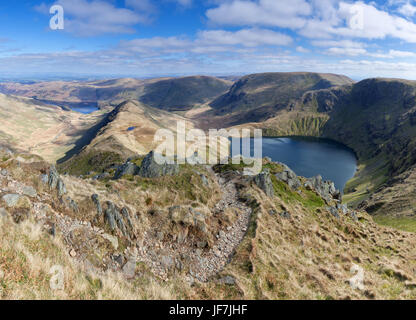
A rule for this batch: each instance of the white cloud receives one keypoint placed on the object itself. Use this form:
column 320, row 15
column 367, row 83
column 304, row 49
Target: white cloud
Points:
column 302, row 49
column 91, row 18
column 377, row 24
column 244, row 37
column 281, row 13
column 346, row 51
column 408, row 10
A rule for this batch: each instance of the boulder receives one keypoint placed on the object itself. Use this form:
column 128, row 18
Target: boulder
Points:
column 61, row 188
column 326, row 189
column 11, row 200
column 29, row 191
column 334, row 212
column 53, row 178
column 151, row 169
column 73, row 205
column 264, row 182
column 286, row 215
column 109, row 216
column 96, row 201
column 128, row 168
column 126, row 216
column 289, row 177
column 129, row 269
column 44, row 178
column 4, row 172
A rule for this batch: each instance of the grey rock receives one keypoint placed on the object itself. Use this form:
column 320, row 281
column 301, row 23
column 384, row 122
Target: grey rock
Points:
column 4, row 172
column 129, row 269
column 167, row 262
column 228, row 280
column 343, row 208
column 61, row 188
column 326, row 189
column 126, row 216
column 29, row 191
column 286, row 215
column 11, row 200
column 201, row 244
column 205, row 181
column 95, row 199
column 44, row 178
column 151, row 169
column 120, row 222
column 264, row 182
column 119, row 259
column 73, row 205
column 353, row 215
column 334, row 212
column 272, row 212
column 53, row 178
column 101, row 176
column 128, row 168
column 289, row 177
column 109, row 216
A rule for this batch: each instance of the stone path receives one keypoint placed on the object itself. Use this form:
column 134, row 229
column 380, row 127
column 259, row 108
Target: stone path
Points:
column 202, row 265
column 220, row 255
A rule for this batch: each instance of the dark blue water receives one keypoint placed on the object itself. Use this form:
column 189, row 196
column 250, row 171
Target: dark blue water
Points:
column 85, row 110
column 309, row 157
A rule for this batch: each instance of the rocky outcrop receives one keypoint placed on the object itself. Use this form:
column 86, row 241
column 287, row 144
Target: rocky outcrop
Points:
column 326, row 189
column 55, row 182
column 128, row 168
column 117, row 220
column 264, row 182
column 95, row 199
column 289, row 177
column 151, row 169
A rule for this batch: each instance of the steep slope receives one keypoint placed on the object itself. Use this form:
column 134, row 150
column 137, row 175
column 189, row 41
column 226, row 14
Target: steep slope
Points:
column 127, row 131
column 164, row 93
column 171, row 229
column 45, row 130
column 376, row 118
column 258, row 97
column 183, row 93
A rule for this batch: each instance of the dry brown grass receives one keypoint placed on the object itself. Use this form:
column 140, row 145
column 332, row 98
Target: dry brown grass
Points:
column 27, row 254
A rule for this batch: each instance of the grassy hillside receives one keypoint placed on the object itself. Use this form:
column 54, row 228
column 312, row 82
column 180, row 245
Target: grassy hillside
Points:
column 42, row 129
column 260, row 96
column 183, row 93
column 294, row 248
column 165, row 93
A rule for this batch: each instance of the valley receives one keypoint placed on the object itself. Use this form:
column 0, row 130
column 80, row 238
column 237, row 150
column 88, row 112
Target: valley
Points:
column 203, row 232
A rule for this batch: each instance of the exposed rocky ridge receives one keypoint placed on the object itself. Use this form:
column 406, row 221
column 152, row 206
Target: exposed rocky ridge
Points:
column 210, row 243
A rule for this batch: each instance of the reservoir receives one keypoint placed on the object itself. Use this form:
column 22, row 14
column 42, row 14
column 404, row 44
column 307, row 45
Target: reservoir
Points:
column 309, row 157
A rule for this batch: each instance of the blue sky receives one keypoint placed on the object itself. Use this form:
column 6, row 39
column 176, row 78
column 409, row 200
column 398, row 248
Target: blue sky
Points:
column 145, row 38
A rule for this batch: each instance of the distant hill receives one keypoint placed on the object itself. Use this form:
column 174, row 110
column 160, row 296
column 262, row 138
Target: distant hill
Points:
column 127, row 131
column 182, row 93
column 376, row 118
column 44, row 130
column 166, row 93
column 257, row 97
